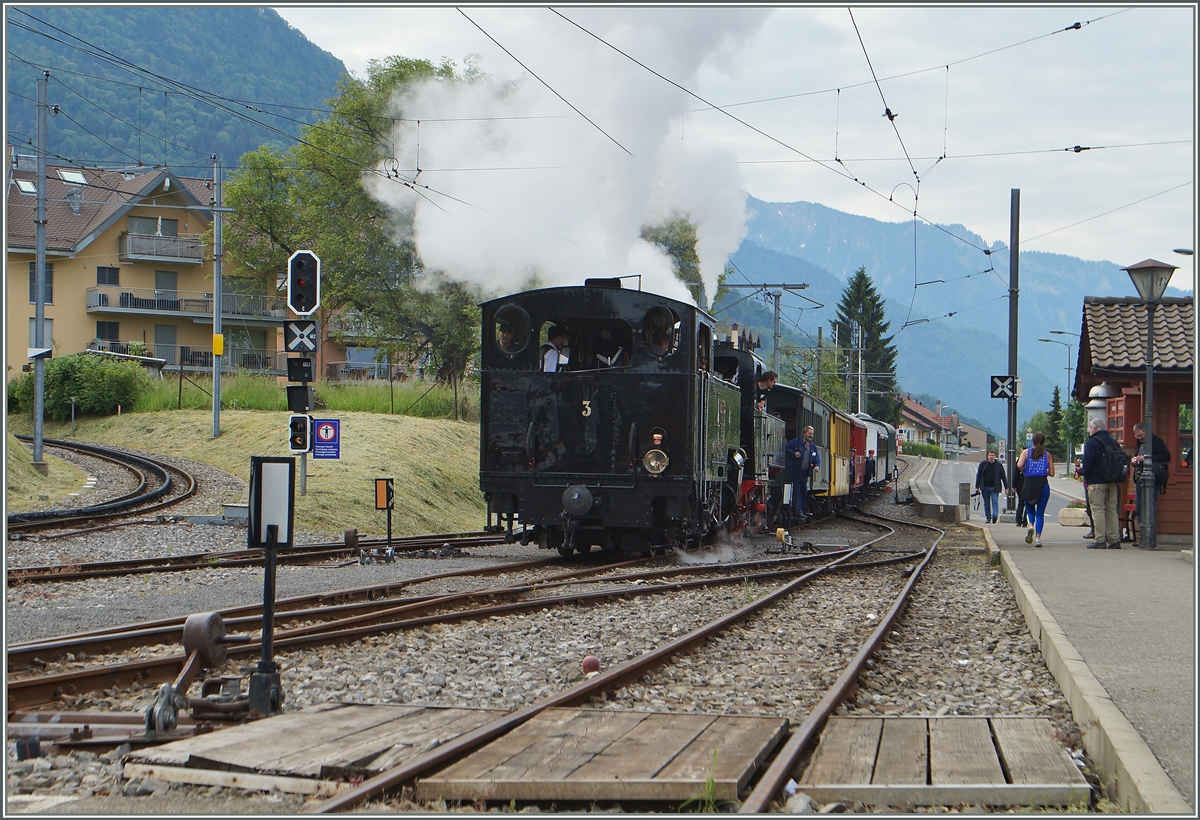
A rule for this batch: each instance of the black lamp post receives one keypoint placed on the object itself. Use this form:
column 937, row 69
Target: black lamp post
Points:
column 1070, row 448
column 1150, row 278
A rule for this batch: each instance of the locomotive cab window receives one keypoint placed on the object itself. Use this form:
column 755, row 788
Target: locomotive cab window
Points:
column 512, row 329
column 660, row 331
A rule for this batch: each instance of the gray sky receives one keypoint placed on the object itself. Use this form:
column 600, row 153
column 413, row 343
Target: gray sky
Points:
column 1001, row 92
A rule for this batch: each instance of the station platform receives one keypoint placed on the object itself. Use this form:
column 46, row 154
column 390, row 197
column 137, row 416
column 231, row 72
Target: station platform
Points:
column 1117, row 630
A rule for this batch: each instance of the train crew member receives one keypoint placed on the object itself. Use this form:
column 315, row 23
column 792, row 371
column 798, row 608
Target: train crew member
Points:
column 506, row 337
column 989, row 478
column 1038, row 466
column 853, row 458
column 554, row 357
column 803, row 460
column 765, row 382
column 868, row 471
column 1104, row 496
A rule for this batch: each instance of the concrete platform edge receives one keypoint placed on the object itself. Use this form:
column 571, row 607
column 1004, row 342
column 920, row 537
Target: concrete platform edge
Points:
column 1130, row 773
column 928, row 502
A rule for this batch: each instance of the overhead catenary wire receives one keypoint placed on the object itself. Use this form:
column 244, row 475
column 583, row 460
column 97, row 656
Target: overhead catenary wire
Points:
column 887, row 111
column 839, row 89
column 543, row 82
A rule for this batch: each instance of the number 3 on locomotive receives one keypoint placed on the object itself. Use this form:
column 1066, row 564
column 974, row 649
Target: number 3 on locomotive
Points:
column 587, row 408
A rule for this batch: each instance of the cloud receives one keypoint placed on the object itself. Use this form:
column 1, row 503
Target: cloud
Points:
column 520, row 185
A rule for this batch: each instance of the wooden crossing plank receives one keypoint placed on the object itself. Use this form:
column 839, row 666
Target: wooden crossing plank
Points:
column 1031, row 754
column 420, row 742
column 342, row 740
column 261, row 747
column 180, row 752
column 961, row 751
column 349, row 752
column 963, row 764
column 903, row 753
column 846, row 752
column 477, row 765
column 606, row 755
column 949, row 795
column 741, row 742
column 646, row 749
column 581, row 738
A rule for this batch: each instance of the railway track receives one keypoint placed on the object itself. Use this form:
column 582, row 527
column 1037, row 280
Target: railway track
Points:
column 309, row 626
column 351, row 548
column 769, row 785
column 398, row 614
column 155, row 490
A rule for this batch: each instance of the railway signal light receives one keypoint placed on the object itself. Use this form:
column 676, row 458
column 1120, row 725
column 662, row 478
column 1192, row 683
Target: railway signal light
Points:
column 304, row 283
column 300, row 433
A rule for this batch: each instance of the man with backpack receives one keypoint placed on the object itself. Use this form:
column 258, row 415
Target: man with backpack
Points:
column 1105, row 466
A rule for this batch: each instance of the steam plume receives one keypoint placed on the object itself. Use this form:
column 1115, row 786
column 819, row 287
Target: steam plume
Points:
column 548, row 197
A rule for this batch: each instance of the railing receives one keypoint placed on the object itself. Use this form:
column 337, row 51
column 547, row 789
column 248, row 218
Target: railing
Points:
column 235, row 359
column 196, row 303
column 361, row 370
column 187, row 248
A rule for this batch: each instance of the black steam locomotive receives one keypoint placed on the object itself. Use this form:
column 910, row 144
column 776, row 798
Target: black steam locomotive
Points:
column 616, row 418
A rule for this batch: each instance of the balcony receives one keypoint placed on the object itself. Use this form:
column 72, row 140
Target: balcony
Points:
column 192, row 359
column 362, row 371
column 187, row 249
column 183, row 303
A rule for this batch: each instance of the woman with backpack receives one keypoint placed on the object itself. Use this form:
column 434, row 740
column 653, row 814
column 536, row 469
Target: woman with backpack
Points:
column 1037, row 465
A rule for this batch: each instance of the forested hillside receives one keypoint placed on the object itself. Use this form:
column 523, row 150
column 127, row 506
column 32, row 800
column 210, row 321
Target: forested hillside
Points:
column 159, row 85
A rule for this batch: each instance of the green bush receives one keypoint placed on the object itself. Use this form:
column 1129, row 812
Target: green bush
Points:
column 916, row 448
column 98, row 383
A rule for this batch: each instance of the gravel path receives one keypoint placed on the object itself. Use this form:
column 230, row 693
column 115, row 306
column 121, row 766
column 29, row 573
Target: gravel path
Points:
column 962, row 649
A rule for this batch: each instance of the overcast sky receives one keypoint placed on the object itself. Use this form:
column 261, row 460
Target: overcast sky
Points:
column 1000, row 92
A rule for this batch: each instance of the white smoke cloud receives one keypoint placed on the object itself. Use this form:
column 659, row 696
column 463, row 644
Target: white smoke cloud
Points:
column 519, row 185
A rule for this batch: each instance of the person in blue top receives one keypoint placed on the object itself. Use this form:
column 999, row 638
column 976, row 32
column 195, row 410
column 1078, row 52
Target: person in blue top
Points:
column 802, row 459
column 1038, row 465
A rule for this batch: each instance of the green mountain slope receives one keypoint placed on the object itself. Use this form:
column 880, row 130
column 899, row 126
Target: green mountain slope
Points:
column 158, row 85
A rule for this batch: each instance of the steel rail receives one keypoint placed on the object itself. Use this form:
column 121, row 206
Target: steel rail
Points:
column 114, row 639
column 24, row 522
column 304, row 553
column 781, row 769
column 34, row 690
column 170, row 630
column 602, row 682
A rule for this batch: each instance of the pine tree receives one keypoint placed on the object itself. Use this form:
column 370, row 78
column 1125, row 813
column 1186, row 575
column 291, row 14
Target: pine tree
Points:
column 1054, row 441
column 861, row 304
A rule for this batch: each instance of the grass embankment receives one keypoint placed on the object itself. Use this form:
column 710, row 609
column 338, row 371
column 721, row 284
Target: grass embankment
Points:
column 435, row 463
column 27, row 489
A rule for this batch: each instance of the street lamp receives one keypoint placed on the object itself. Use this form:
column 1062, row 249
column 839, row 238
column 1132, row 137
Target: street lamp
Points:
column 1150, row 278
column 1067, row 345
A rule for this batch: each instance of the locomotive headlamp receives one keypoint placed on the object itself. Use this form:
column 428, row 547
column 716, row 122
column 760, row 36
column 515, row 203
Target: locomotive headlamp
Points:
column 655, row 461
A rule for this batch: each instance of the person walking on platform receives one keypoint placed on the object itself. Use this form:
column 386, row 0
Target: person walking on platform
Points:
column 989, row 477
column 1103, row 495
column 1018, row 483
column 1038, row 465
column 802, row 459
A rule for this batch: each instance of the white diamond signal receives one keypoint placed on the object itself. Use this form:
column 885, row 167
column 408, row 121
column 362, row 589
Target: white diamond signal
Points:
column 301, row 336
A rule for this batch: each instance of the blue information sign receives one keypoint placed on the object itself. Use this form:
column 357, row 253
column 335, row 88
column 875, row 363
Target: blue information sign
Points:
column 327, row 438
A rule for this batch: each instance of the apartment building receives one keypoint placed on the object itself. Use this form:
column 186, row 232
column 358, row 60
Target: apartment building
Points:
column 128, row 270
